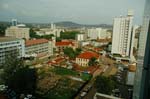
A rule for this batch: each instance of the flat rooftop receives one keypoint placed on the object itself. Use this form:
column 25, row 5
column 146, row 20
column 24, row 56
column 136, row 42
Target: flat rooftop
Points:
column 6, row 39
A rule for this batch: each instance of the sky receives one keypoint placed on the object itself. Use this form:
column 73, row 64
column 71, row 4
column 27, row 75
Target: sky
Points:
column 79, row 11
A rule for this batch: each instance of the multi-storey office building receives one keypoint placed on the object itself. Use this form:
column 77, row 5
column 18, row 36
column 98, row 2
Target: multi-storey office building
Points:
column 122, row 35
column 38, row 48
column 142, row 79
column 11, row 46
column 19, row 31
column 98, row 33
column 80, row 37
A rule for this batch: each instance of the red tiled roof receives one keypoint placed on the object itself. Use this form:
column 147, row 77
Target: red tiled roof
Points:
column 34, row 42
column 56, row 61
column 98, row 49
column 88, row 55
column 64, row 43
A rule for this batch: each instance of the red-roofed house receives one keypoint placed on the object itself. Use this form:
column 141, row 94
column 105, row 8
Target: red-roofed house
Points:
column 38, row 47
column 60, row 46
column 84, row 58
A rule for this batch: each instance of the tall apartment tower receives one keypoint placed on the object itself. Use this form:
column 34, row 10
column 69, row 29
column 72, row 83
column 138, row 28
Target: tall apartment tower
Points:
column 122, row 34
column 14, row 22
column 142, row 78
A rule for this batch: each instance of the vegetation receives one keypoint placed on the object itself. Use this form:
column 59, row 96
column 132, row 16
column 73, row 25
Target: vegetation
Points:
column 17, row 76
column 55, row 84
column 71, row 53
column 64, row 89
column 3, row 27
column 68, row 34
column 92, row 61
column 104, row 84
column 34, row 35
column 64, row 71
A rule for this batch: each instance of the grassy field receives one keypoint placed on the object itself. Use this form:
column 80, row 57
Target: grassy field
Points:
column 54, row 83
column 64, row 71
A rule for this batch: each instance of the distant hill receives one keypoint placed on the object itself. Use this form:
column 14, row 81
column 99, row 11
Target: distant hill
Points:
column 76, row 25
column 68, row 24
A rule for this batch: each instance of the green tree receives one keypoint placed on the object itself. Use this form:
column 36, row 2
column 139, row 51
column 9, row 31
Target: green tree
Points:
column 33, row 34
column 47, row 36
column 78, row 51
column 69, row 34
column 17, row 76
column 104, row 84
column 92, row 61
column 69, row 52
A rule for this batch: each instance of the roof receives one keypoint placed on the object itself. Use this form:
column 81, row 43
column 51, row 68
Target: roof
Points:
column 64, row 43
column 34, row 42
column 88, row 55
column 7, row 39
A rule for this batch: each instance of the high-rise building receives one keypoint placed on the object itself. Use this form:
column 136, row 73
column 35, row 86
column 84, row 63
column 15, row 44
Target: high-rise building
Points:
column 142, row 79
column 19, row 31
column 122, row 35
column 98, row 33
column 14, row 22
column 11, row 46
column 80, row 37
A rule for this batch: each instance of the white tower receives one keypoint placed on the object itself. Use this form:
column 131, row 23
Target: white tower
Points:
column 122, row 35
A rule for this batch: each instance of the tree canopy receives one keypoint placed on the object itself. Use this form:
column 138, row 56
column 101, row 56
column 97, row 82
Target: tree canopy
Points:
column 104, row 84
column 17, row 76
column 68, row 34
column 34, row 35
column 71, row 53
column 92, row 61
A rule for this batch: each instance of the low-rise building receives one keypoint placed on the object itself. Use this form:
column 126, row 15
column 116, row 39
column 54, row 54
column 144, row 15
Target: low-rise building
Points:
column 11, row 46
column 60, row 46
column 84, row 58
column 38, row 48
column 19, row 31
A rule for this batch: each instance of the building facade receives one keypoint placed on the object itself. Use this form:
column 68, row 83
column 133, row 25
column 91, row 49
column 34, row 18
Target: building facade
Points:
column 80, row 37
column 60, row 46
column 38, row 48
column 84, row 58
column 122, row 35
column 98, row 33
column 142, row 79
column 11, row 46
column 18, row 32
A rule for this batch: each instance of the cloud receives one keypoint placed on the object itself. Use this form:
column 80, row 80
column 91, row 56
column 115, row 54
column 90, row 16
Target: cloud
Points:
column 5, row 6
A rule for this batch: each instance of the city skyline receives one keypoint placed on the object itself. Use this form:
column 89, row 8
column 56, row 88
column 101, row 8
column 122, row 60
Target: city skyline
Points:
column 83, row 12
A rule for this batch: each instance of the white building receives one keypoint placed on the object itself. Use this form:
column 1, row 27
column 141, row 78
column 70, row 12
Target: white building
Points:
column 38, row 48
column 11, row 46
column 98, row 33
column 84, row 58
column 49, row 31
column 19, row 31
column 122, row 35
column 80, row 37
column 136, row 41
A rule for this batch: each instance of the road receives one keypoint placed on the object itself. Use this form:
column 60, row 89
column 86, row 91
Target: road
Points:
column 108, row 70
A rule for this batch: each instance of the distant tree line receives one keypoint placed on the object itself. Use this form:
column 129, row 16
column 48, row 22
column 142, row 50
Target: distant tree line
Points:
column 68, row 34
column 34, row 35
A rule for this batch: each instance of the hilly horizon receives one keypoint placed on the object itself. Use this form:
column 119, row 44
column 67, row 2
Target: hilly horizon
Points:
column 69, row 24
